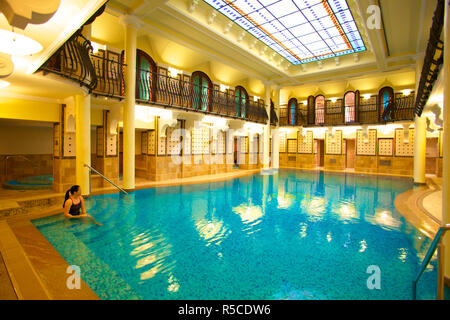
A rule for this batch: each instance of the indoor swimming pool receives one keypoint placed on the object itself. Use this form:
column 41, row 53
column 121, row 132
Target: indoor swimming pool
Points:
column 291, row 235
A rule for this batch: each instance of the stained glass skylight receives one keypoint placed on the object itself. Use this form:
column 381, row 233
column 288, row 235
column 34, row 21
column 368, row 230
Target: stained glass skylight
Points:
column 301, row 31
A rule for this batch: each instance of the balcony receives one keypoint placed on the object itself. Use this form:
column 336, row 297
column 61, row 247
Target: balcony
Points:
column 335, row 114
column 162, row 90
column 103, row 75
column 100, row 75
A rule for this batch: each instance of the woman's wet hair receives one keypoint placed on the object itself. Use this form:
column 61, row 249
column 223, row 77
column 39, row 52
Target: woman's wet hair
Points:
column 72, row 190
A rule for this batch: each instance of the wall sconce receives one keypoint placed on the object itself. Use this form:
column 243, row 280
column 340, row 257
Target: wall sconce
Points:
column 365, row 134
column 367, row 96
column 302, row 132
column 223, row 88
column 255, row 98
column 406, row 136
column 174, row 72
column 97, row 46
column 333, row 100
column 406, row 92
column 4, row 84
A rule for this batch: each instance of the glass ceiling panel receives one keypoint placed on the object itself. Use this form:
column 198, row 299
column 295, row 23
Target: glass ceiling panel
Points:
column 301, row 31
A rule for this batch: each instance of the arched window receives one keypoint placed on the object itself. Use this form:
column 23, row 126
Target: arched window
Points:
column 385, row 102
column 292, row 111
column 319, row 105
column 240, row 101
column 201, row 91
column 145, row 76
column 350, row 107
column 311, row 111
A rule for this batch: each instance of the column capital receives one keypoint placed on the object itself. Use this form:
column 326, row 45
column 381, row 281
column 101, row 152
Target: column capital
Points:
column 275, row 86
column 130, row 21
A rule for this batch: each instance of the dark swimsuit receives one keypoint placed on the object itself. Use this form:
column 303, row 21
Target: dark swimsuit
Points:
column 75, row 209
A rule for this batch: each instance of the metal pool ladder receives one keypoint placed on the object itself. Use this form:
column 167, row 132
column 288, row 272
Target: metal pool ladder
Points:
column 92, row 169
column 436, row 244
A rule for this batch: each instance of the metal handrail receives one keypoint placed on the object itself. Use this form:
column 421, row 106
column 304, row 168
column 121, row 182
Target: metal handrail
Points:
column 436, row 244
column 88, row 166
column 18, row 156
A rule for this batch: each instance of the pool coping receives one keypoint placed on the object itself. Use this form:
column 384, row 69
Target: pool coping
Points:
column 47, row 280
column 409, row 204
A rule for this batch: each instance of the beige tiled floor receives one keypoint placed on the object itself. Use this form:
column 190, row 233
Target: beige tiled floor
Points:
column 6, row 287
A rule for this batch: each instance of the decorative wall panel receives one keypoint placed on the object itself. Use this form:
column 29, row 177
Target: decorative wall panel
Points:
column 151, row 142
column 144, row 142
column 200, row 140
column 68, row 132
column 306, row 144
column 282, row 141
column 221, row 142
column 366, row 147
column 100, row 141
column 333, row 144
column 402, row 148
column 174, row 140
column 292, row 145
column 57, row 140
column 386, row 147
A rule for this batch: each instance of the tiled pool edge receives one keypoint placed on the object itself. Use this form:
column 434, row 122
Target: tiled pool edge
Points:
column 24, row 278
column 410, row 207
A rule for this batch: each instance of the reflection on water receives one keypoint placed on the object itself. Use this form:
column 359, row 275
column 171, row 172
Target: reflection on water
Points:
column 249, row 213
column 291, row 235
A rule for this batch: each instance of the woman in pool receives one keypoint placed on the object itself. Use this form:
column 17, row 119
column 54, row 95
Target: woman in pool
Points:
column 73, row 203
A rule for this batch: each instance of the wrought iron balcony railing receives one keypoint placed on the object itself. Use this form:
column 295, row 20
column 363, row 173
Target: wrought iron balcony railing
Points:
column 368, row 113
column 75, row 61
column 159, row 89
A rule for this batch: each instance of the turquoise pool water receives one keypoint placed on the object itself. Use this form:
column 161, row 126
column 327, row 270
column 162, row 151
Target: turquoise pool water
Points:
column 291, row 235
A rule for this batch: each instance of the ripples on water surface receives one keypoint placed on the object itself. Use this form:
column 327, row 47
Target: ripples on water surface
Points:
column 292, row 235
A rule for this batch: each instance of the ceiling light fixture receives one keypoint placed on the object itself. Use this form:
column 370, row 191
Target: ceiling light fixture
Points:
column 17, row 44
column 3, row 84
column 406, row 92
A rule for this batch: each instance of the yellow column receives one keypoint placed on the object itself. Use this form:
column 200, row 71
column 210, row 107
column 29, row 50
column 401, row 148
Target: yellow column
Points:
column 83, row 141
column 131, row 25
column 446, row 140
column 420, row 143
column 266, row 136
column 275, row 135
